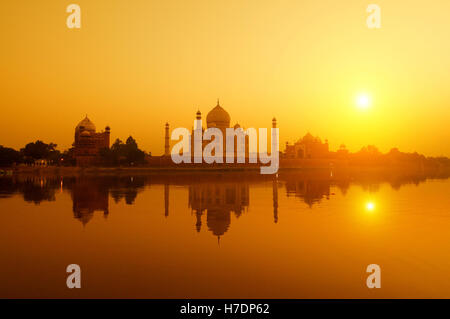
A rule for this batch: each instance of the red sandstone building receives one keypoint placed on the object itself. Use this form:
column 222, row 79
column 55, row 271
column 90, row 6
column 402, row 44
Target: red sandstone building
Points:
column 88, row 143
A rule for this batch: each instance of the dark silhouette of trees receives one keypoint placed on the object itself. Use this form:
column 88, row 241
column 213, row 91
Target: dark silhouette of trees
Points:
column 40, row 150
column 120, row 153
column 9, row 156
column 31, row 152
column 68, row 157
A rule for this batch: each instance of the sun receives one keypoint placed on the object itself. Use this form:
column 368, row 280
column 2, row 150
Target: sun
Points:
column 370, row 206
column 363, row 101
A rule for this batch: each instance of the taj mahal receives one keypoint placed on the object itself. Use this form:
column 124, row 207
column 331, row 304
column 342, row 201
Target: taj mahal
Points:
column 218, row 118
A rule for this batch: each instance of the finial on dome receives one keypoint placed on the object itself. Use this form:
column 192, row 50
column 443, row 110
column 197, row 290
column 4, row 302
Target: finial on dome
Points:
column 218, row 103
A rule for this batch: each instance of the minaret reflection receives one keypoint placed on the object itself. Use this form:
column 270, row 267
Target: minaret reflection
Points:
column 166, row 200
column 218, row 201
column 89, row 195
column 275, row 198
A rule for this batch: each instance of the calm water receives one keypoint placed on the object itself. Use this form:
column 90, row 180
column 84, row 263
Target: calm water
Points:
column 301, row 235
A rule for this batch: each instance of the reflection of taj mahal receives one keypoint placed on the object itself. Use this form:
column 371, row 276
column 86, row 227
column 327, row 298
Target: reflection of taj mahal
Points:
column 218, row 201
column 211, row 202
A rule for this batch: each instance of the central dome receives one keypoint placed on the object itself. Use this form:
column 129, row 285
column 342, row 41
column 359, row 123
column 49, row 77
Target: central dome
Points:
column 85, row 125
column 218, row 117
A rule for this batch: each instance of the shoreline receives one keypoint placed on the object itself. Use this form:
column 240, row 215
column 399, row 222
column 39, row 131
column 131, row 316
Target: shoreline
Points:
column 172, row 170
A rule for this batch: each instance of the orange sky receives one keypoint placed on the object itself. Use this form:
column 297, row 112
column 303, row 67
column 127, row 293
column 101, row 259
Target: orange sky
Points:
column 135, row 65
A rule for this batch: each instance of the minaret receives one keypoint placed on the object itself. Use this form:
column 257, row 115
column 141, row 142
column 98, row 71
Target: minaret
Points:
column 166, row 141
column 275, row 139
column 198, row 138
column 106, row 137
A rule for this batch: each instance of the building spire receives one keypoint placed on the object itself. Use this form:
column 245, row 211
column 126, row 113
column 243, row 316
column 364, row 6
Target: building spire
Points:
column 218, row 103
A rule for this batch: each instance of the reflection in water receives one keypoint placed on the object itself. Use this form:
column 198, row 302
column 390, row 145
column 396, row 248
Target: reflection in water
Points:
column 171, row 252
column 33, row 189
column 214, row 196
column 89, row 196
column 166, row 199
column 275, row 198
column 310, row 191
column 218, row 201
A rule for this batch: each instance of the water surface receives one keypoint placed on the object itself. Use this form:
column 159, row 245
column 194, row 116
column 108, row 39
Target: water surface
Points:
column 299, row 235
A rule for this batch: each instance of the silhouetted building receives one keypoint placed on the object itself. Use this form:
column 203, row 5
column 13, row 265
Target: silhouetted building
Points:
column 88, row 143
column 218, row 118
column 307, row 147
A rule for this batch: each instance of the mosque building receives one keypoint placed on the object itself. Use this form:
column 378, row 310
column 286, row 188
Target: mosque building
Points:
column 219, row 118
column 307, row 147
column 88, row 143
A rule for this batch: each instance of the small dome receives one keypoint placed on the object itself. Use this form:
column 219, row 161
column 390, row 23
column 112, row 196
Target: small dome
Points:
column 237, row 126
column 218, row 116
column 107, row 128
column 85, row 124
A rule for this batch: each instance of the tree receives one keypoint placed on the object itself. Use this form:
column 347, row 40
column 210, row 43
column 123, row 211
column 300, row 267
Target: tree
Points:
column 9, row 156
column 133, row 154
column 41, row 150
column 120, row 153
column 68, row 158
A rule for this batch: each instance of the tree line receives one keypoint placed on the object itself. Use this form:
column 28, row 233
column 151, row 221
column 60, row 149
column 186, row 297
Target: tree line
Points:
column 120, row 153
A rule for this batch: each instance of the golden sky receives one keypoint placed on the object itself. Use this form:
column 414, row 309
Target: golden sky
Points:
column 134, row 65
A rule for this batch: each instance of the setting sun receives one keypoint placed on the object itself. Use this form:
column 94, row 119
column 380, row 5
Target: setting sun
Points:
column 363, row 101
column 370, row 206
